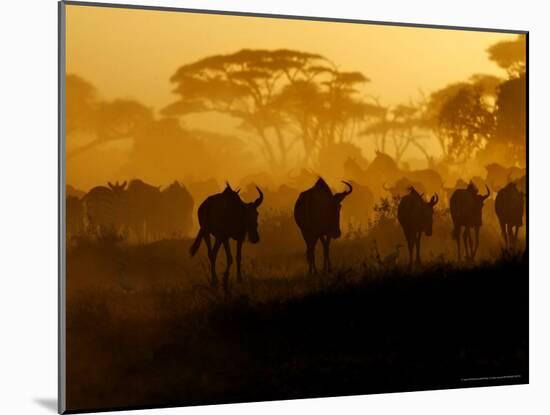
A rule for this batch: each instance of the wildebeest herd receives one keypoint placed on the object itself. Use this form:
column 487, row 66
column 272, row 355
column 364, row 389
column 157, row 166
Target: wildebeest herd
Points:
column 142, row 210
column 317, row 214
column 147, row 212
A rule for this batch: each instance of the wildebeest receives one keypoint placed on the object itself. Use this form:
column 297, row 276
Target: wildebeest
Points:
column 383, row 169
column 499, row 176
column 154, row 213
column 356, row 169
column 431, row 180
column 276, row 202
column 225, row 216
column 105, row 208
column 73, row 191
column 332, row 158
column 317, row 214
column 176, row 209
column 359, row 205
column 522, row 184
column 509, row 210
column 415, row 216
column 74, row 215
column 144, row 209
column 402, row 186
column 466, row 211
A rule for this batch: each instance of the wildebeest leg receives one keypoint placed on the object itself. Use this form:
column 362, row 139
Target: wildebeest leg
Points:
column 310, row 255
column 509, row 236
column 239, row 255
column 410, row 245
column 516, row 235
column 325, row 240
column 466, row 239
column 229, row 258
column 323, row 244
column 504, row 234
column 476, row 246
column 329, row 265
column 418, row 236
column 213, row 255
column 208, row 243
column 471, row 243
column 458, row 231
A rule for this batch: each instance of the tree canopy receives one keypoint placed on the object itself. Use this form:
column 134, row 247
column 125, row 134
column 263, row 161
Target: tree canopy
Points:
column 107, row 121
column 510, row 55
column 282, row 96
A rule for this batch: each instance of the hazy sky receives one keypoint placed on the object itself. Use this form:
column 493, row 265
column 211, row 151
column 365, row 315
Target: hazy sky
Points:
column 132, row 53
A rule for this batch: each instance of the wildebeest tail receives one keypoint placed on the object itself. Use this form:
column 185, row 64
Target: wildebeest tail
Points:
column 197, row 243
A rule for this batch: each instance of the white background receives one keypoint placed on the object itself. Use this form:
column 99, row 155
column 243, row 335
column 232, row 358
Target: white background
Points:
column 28, row 204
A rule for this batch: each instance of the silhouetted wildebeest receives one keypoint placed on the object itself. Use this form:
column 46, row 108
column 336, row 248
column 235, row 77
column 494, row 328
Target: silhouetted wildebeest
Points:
column 383, row 169
column 431, row 180
column 402, row 187
column 415, row 216
column 74, row 215
column 261, row 179
column 509, row 210
column 225, row 216
column 143, row 209
column 522, row 184
column 276, row 202
column 466, row 211
column 302, row 178
column 176, row 211
column 499, row 176
column 356, row 169
column 105, row 208
column 73, row 191
column 359, row 205
column 317, row 214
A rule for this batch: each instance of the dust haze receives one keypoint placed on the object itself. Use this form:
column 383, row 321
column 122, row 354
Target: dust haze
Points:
column 249, row 167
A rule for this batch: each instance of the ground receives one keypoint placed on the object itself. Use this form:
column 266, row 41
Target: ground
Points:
column 145, row 330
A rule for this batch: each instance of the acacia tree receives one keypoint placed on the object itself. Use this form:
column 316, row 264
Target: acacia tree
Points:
column 81, row 104
column 511, row 100
column 107, row 121
column 484, row 115
column 510, row 55
column 465, row 124
column 461, row 116
column 282, row 96
column 325, row 109
column 244, row 85
column 402, row 126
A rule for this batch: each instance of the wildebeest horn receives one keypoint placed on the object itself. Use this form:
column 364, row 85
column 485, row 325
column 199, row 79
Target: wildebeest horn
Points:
column 434, row 199
column 350, row 187
column 228, row 186
column 488, row 193
column 260, row 198
column 387, row 189
column 123, row 184
column 110, row 185
column 340, row 196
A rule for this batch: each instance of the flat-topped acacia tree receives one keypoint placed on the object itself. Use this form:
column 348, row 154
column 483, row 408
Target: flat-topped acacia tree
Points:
column 282, row 96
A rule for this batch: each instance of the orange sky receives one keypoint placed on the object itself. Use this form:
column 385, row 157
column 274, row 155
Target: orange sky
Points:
column 132, row 53
column 129, row 53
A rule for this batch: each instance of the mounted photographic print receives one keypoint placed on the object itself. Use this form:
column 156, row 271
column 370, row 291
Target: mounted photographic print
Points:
column 258, row 207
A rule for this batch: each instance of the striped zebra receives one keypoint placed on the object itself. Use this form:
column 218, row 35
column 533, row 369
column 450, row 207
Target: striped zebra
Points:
column 105, row 209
